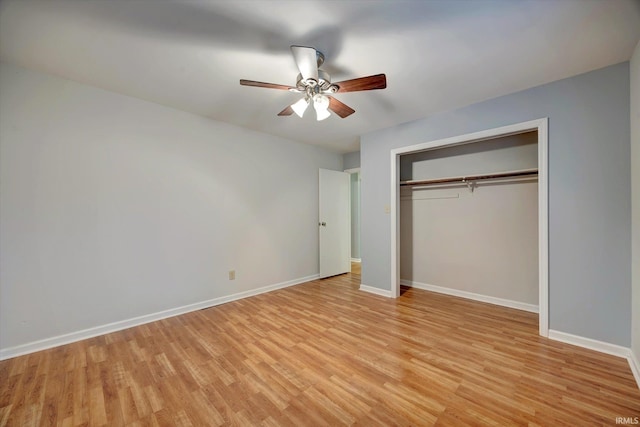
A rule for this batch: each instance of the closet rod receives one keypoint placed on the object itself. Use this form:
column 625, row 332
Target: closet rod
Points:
column 519, row 173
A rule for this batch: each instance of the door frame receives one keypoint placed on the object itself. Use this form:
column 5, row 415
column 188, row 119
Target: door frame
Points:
column 539, row 125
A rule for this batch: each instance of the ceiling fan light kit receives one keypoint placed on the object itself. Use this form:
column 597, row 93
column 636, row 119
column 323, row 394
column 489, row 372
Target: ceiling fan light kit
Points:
column 316, row 86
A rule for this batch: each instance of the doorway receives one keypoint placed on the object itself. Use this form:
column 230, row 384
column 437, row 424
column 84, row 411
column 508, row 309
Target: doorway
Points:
column 541, row 127
column 355, row 183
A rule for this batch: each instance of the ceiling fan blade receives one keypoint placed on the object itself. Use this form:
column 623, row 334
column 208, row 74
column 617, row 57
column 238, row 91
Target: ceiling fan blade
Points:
column 306, row 60
column 266, row 85
column 378, row 81
column 340, row 108
column 286, row 112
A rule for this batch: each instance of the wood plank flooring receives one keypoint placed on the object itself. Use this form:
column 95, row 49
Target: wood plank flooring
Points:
column 322, row 354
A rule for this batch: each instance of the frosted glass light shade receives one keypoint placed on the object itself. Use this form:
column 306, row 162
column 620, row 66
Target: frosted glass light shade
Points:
column 300, row 106
column 321, row 105
column 322, row 114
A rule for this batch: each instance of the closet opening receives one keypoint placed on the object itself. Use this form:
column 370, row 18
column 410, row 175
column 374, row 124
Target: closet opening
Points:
column 470, row 217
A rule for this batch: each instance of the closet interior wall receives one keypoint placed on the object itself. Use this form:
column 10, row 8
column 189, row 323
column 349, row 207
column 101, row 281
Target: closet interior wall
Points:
column 481, row 240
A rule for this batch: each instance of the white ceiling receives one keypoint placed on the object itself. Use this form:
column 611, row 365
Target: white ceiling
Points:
column 437, row 55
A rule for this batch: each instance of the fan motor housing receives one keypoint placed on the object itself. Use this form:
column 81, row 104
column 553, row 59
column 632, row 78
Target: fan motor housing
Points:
column 323, row 84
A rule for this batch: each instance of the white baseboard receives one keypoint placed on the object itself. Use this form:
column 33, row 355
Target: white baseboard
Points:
column 356, row 260
column 376, row 291
column 473, row 296
column 635, row 367
column 591, row 344
column 56, row 341
column 602, row 347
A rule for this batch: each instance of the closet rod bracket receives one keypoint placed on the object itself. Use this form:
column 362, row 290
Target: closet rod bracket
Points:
column 470, row 184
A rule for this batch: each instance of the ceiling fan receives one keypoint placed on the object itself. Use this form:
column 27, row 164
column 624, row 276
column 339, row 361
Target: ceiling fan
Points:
column 316, row 86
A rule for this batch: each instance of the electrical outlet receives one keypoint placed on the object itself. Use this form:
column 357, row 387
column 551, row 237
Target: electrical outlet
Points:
column 232, row 275
column 387, row 209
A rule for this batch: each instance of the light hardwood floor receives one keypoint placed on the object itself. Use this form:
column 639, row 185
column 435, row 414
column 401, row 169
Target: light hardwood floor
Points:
column 355, row 268
column 322, row 353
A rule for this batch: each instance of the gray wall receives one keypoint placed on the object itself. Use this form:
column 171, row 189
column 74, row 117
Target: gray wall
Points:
column 589, row 193
column 351, row 160
column 113, row 208
column 484, row 242
column 635, row 189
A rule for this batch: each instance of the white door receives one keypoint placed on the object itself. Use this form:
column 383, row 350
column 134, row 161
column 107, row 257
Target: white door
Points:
column 334, row 223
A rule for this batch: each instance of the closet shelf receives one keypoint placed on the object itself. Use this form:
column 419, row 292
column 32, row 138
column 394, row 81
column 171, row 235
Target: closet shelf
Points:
column 471, row 178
